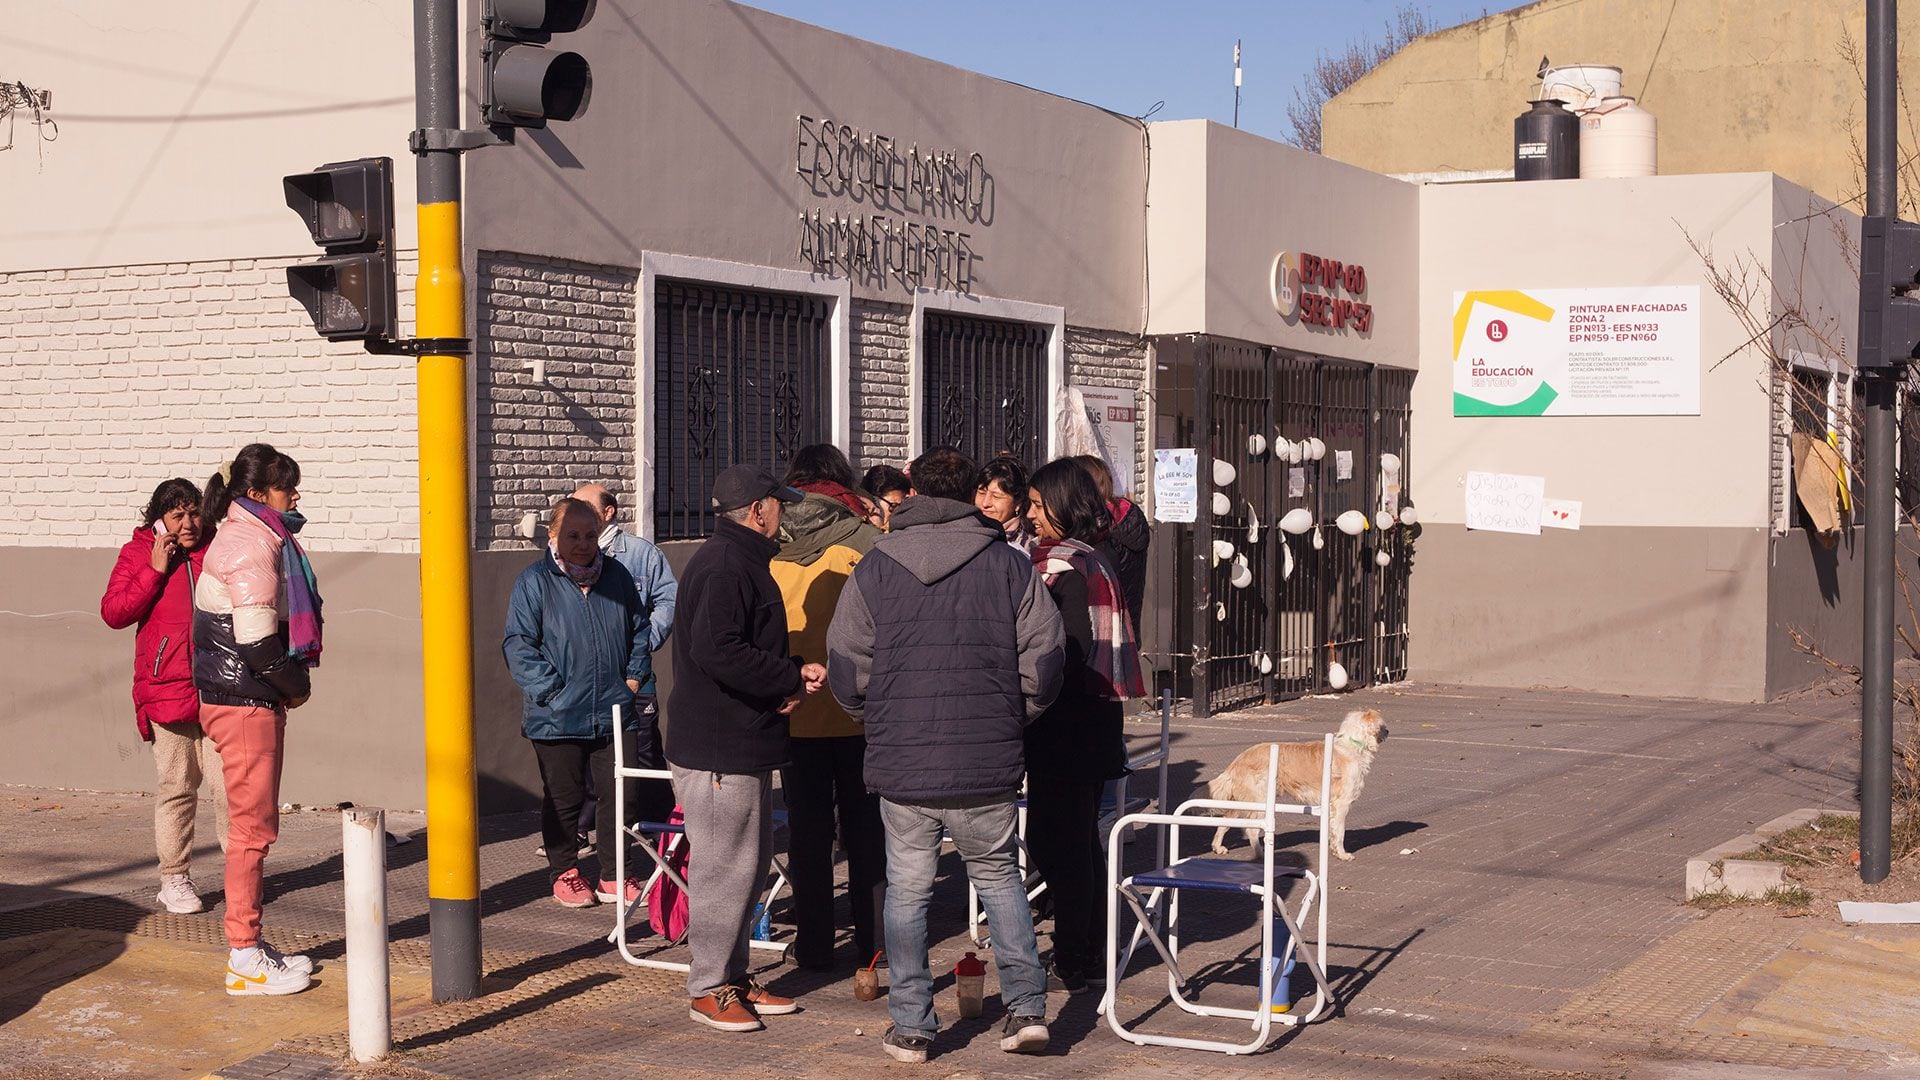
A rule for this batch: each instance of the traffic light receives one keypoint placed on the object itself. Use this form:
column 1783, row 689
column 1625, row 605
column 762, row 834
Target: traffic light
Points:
column 1889, row 318
column 527, row 85
column 348, row 209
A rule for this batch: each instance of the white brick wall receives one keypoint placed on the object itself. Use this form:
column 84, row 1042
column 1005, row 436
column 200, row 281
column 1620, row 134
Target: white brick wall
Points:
column 880, row 360
column 116, row 378
column 536, row 442
column 1117, row 359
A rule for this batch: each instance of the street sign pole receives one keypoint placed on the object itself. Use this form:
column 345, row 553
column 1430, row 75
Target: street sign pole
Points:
column 1880, row 385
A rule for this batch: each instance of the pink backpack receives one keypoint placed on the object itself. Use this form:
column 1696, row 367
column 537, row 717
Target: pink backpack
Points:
column 667, row 902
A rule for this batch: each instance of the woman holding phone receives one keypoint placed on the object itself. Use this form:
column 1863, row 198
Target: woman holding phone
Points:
column 152, row 588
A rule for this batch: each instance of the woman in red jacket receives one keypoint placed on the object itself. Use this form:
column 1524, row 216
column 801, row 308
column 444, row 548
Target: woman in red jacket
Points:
column 152, row 586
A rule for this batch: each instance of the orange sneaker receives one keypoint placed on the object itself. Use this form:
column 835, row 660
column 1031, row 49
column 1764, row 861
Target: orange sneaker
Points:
column 723, row 1011
column 765, row 1002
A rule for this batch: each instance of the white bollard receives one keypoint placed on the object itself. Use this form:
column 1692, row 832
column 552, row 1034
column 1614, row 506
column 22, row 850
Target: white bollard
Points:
column 363, row 854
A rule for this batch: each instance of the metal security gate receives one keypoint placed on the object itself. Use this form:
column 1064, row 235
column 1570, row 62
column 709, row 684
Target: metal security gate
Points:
column 984, row 386
column 1273, row 612
column 739, row 376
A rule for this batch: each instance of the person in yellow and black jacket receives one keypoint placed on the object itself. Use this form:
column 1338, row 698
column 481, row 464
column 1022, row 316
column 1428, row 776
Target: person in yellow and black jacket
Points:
column 821, row 541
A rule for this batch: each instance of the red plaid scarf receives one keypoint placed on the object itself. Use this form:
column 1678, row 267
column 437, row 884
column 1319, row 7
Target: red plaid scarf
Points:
column 1115, row 656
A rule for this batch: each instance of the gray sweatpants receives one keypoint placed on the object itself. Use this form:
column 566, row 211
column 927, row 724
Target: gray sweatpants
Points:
column 729, row 820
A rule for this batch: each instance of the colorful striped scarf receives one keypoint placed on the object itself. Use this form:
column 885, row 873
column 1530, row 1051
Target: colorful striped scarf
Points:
column 1115, row 656
column 303, row 589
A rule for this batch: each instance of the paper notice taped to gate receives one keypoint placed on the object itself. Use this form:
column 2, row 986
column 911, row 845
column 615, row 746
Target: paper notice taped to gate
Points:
column 1343, row 464
column 1176, row 485
column 1505, row 502
column 1297, row 483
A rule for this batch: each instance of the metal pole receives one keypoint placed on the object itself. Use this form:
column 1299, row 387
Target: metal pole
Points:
column 1202, row 568
column 363, row 858
column 1876, row 664
column 453, row 862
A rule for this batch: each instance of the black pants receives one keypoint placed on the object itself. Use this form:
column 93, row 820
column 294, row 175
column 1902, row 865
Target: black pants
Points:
column 1063, row 842
column 565, row 768
column 825, row 778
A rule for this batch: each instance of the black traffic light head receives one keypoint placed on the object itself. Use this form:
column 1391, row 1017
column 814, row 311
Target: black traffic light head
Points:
column 348, row 209
column 527, row 85
column 1889, row 267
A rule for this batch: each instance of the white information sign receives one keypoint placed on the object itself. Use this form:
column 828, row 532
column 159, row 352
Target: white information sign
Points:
column 1176, row 485
column 1577, row 352
column 1343, row 464
column 1504, row 502
column 1113, row 414
column 1560, row 513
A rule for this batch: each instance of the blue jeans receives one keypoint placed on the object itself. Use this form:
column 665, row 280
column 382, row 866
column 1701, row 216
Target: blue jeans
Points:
column 983, row 833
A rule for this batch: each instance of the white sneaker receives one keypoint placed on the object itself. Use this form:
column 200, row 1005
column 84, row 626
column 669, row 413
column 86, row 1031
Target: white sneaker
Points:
column 252, row 972
column 177, row 895
column 297, row 962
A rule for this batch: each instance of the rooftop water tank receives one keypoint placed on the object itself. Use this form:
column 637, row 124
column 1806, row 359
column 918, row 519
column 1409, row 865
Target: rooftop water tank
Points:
column 1580, row 86
column 1546, row 143
column 1617, row 138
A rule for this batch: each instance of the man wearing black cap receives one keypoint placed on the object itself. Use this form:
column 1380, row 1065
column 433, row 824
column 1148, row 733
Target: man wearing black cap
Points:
column 733, row 685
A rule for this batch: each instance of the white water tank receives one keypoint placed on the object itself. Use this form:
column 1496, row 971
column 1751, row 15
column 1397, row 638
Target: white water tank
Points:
column 1580, row 86
column 1617, row 138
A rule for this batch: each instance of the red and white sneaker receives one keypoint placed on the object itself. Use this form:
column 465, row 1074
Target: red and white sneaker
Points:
column 571, row 890
column 607, row 894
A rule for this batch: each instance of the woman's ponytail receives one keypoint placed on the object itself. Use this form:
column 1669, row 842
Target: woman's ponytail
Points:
column 257, row 467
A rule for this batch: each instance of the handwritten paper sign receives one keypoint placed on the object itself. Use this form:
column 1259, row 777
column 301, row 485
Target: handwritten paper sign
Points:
column 1176, row 487
column 1560, row 514
column 1505, row 502
column 1343, row 464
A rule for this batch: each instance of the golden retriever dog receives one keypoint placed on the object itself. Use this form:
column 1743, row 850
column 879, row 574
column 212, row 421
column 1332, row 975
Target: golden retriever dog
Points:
column 1245, row 778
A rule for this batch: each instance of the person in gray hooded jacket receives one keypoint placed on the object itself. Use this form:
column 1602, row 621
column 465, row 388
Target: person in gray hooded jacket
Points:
column 946, row 645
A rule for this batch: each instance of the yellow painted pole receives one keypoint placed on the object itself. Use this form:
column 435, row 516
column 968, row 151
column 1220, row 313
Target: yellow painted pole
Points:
column 446, row 606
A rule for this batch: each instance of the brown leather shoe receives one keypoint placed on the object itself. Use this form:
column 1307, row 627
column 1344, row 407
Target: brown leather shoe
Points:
column 724, row 1011
column 765, row 1002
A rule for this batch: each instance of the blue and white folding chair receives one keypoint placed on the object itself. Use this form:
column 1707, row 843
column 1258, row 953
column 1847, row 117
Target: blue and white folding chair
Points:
column 1154, row 899
column 644, row 836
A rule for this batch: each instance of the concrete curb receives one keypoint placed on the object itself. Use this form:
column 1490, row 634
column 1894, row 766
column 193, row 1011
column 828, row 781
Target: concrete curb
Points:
column 1715, row 871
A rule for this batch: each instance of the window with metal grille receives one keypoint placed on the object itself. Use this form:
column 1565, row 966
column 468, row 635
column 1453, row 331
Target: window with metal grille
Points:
column 740, row 375
column 984, row 386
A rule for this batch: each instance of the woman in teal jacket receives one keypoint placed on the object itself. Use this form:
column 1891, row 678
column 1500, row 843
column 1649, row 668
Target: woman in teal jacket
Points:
column 577, row 644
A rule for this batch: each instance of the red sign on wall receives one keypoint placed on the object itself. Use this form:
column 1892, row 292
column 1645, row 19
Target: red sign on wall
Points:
column 1319, row 291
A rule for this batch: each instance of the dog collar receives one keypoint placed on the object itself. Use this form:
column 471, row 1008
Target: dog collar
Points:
column 1356, row 742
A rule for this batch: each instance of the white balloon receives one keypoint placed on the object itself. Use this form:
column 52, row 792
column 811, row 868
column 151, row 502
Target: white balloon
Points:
column 1318, row 543
column 1253, row 525
column 1390, row 464
column 1296, row 521
column 1222, row 550
column 1381, row 558
column 1408, row 516
column 1383, row 520
column 1316, row 449
column 1223, row 473
column 1353, row 523
column 1264, row 662
column 1293, row 453
column 1219, row 612
column 1256, row 444
column 1222, row 505
column 1336, row 676
column 1286, row 561
column 1242, row 575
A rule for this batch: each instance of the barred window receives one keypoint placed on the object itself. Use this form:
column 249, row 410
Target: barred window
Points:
column 984, row 386
column 740, row 375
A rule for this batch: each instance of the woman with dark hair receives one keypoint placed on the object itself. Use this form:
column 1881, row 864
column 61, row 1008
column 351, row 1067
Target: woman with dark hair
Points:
column 1003, row 498
column 152, row 585
column 1077, row 745
column 1125, row 543
column 821, row 469
column 256, row 633
column 889, row 487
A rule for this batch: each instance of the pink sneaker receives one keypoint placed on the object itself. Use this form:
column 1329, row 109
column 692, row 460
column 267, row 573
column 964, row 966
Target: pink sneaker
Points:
column 605, row 893
column 571, row 890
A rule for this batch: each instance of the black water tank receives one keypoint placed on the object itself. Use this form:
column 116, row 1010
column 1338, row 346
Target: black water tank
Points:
column 1546, row 143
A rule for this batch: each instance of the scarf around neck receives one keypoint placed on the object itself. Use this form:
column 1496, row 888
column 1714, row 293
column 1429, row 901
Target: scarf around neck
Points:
column 583, row 577
column 1115, row 656
column 303, row 589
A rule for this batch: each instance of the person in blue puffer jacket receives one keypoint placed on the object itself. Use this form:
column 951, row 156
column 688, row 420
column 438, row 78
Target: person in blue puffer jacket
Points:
column 576, row 643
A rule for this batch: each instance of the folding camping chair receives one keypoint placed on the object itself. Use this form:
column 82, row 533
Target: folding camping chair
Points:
column 1115, row 804
column 1256, row 878
column 644, row 836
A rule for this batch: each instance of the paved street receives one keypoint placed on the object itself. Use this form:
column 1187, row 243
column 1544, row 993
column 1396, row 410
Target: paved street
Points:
column 1514, row 910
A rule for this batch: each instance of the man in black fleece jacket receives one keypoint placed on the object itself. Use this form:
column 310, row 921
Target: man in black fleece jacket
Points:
column 733, row 686
column 946, row 645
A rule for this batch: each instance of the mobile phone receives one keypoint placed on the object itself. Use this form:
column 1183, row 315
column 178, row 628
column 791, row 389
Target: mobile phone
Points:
column 159, row 528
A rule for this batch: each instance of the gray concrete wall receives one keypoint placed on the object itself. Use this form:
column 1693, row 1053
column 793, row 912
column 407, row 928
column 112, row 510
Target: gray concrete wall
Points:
column 1672, row 612
column 69, row 721
column 689, row 146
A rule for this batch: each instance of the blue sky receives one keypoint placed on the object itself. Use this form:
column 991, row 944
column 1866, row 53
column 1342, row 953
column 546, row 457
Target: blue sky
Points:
column 1127, row 54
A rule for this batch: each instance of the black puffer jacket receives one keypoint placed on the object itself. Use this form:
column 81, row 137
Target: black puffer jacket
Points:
column 946, row 644
column 240, row 581
column 1125, row 547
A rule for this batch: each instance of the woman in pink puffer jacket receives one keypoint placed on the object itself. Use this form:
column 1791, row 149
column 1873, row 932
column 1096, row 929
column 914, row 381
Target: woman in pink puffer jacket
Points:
column 256, row 632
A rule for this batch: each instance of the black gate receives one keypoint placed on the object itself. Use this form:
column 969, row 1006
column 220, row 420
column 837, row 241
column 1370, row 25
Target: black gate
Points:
column 1273, row 613
column 984, row 388
column 739, row 376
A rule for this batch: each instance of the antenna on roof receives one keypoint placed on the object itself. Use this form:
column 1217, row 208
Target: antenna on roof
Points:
column 1236, row 82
